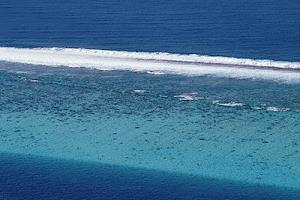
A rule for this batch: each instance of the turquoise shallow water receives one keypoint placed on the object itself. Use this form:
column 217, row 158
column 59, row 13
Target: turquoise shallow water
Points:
column 231, row 129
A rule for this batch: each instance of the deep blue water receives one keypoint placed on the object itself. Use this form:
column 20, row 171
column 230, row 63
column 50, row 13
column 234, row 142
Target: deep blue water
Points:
column 28, row 177
column 267, row 29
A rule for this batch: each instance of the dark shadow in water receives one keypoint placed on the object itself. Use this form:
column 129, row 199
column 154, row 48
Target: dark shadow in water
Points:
column 30, row 177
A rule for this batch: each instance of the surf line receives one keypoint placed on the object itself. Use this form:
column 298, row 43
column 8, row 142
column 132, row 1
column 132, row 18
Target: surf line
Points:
column 168, row 63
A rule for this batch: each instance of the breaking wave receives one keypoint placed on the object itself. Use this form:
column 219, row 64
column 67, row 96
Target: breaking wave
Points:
column 157, row 63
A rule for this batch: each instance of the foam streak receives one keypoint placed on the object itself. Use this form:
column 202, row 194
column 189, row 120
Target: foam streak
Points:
column 156, row 62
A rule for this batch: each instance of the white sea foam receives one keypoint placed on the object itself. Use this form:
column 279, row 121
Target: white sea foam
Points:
column 155, row 62
column 155, row 72
column 228, row 104
column 34, row 81
column 188, row 96
column 185, row 97
column 276, row 109
column 139, row 91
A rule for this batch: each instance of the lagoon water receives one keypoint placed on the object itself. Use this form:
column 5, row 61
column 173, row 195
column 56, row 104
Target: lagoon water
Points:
column 77, row 123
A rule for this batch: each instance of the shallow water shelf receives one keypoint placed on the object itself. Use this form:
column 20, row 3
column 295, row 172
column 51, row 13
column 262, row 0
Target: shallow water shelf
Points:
column 242, row 130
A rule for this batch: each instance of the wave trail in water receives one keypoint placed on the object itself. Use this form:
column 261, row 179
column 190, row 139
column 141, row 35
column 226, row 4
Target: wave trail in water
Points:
column 156, row 62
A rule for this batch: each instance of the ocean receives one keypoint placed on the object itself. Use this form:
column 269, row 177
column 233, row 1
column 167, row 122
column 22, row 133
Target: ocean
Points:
column 149, row 100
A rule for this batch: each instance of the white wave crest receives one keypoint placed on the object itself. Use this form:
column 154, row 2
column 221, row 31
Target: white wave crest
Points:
column 275, row 109
column 188, row 96
column 139, row 91
column 230, row 104
column 155, row 62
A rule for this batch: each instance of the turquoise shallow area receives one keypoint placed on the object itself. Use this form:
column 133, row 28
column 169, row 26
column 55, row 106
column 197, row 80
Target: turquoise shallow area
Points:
column 243, row 130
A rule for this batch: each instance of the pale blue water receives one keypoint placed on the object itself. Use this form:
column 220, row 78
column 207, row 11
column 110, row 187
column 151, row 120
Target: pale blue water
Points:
column 238, row 138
